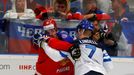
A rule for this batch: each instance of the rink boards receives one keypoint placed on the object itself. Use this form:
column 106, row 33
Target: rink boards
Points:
column 25, row 65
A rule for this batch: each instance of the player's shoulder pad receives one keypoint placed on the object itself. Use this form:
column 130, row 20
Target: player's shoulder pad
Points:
column 63, row 35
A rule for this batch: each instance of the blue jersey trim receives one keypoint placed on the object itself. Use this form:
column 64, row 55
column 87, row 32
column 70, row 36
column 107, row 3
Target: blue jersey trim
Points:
column 62, row 54
column 107, row 60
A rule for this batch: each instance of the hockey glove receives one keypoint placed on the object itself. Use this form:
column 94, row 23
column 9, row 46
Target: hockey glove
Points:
column 37, row 39
column 75, row 52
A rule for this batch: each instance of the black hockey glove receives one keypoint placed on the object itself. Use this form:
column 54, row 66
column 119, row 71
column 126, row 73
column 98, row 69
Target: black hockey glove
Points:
column 75, row 52
column 37, row 39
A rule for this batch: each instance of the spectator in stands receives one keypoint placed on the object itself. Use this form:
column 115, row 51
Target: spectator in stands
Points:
column 19, row 11
column 105, row 5
column 41, row 14
column 91, row 9
column 128, row 15
column 31, row 4
column 125, row 5
column 121, row 10
column 62, row 10
column 118, row 16
column 117, row 8
column 20, row 14
column 93, row 13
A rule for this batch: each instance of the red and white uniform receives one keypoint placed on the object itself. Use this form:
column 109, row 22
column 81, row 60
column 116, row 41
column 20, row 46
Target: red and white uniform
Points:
column 47, row 66
column 104, row 60
column 50, row 62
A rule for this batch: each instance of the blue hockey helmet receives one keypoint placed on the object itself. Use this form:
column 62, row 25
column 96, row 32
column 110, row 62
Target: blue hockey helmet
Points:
column 85, row 24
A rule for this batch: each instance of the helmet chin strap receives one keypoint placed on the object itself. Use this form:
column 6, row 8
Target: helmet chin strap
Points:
column 81, row 33
column 85, row 36
column 83, row 30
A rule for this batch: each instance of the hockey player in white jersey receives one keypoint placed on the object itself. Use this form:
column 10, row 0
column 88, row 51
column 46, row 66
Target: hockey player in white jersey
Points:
column 93, row 60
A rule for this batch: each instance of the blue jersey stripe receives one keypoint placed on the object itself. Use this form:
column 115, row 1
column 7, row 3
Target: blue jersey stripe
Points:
column 62, row 54
column 107, row 60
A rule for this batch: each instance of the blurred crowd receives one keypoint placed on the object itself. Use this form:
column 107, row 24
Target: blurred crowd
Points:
column 105, row 15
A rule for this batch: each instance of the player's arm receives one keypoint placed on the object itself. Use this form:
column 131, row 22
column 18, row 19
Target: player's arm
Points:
column 58, row 44
column 102, row 16
column 107, row 62
column 38, row 39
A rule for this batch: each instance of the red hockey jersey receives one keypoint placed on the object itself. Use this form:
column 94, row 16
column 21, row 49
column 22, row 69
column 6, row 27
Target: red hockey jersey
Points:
column 46, row 66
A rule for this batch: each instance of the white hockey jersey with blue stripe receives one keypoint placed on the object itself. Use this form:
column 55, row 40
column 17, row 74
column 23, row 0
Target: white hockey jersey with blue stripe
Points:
column 92, row 58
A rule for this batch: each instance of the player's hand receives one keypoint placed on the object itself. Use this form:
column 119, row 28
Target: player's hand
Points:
column 45, row 38
column 37, row 39
column 75, row 52
column 88, row 16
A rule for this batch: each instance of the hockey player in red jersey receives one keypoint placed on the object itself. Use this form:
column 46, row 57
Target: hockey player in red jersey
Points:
column 48, row 64
column 83, row 67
